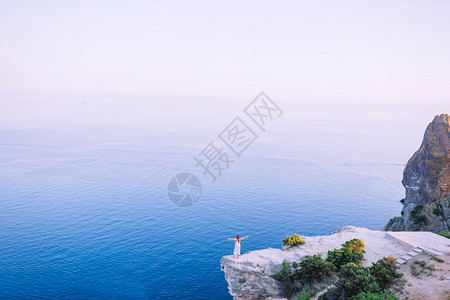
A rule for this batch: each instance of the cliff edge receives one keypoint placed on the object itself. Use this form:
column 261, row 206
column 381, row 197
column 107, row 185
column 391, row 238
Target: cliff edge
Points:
column 250, row 275
column 426, row 179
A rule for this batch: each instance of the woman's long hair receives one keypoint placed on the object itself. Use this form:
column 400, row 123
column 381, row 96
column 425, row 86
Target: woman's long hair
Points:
column 238, row 238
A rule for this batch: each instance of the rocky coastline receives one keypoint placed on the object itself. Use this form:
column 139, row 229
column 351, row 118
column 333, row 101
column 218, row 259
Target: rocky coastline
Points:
column 426, row 179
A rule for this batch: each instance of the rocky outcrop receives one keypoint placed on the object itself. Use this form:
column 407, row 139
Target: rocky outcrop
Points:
column 251, row 279
column 426, row 179
column 250, row 275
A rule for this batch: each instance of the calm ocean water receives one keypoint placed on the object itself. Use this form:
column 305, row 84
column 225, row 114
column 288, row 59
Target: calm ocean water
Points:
column 84, row 208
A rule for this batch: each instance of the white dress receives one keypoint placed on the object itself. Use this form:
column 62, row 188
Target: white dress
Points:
column 237, row 248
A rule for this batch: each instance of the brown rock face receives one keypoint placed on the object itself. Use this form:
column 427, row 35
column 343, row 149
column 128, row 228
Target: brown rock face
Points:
column 426, row 179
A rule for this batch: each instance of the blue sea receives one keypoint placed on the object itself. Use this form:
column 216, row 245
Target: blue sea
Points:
column 85, row 211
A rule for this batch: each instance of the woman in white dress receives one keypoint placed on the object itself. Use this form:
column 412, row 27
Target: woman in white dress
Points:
column 237, row 245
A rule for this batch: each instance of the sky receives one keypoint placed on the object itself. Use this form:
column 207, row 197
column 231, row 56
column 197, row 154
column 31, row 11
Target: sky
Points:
column 363, row 51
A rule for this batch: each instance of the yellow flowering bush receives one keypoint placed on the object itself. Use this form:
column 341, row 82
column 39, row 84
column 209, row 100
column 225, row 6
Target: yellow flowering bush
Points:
column 293, row 240
column 354, row 246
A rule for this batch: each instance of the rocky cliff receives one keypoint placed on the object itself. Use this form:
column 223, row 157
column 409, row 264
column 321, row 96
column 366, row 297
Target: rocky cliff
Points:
column 426, row 179
column 250, row 275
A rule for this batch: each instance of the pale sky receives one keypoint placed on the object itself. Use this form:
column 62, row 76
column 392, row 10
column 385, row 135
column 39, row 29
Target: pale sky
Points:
column 394, row 51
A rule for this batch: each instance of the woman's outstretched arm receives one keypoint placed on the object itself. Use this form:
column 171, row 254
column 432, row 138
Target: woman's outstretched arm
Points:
column 232, row 239
column 244, row 237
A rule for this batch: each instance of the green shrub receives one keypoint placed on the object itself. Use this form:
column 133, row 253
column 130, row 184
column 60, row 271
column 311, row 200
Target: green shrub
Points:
column 419, row 219
column 416, row 214
column 437, row 211
column 414, row 271
column 336, row 257
column 341, row 257
column 285, row 272
column 304, row 296
column 286, row 279
column 293, row 240
column 416, row 210
column 332, row 294
column 431, row 268
column 385, row 271
column 439, row 260
column 313, row 269
column 375, row 296
column 351, row 252
column 422, row 263
column 242, row 280
column 355, row 279
column 445, row 234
